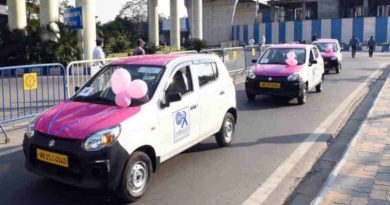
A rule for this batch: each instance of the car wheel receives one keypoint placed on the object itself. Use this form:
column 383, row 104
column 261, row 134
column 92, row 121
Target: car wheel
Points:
column 226, row 134
column 251, row 97
column 320, row 85
column 302, row 98
column 136, row 177
column 338, row 69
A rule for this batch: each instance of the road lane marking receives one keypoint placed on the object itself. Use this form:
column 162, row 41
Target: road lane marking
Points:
column 271, row 183
column 11, row 151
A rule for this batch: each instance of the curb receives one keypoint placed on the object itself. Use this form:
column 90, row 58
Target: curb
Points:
column 335, row 172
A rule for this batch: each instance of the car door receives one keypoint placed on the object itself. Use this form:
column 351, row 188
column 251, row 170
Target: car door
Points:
column 319, row 70
column 312, row 69
column 179, row 121
column 210, row 93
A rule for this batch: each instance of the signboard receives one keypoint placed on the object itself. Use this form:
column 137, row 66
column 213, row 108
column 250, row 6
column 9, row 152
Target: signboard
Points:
column 30, row 81
column 73, row 17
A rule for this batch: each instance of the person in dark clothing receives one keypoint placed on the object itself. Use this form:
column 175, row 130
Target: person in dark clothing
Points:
column 314, row 38
column 139, row 50
column 354, row 43
column 371, row 46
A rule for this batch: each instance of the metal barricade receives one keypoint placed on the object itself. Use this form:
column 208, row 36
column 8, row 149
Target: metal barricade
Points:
column 185, row 52
column 251, row 53
column 79, row 72
column 28, row 90
column 233, row 58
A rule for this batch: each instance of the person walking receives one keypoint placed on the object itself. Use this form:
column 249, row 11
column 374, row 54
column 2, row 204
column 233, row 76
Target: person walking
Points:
column 98, row 53
column 314, row 38
column 371, row 46
column 263, row 40
column 139, row 50
column 354, row 43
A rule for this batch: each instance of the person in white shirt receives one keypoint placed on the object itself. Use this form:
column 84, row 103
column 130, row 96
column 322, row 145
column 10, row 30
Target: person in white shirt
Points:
column 98, row 53
column 263, row 41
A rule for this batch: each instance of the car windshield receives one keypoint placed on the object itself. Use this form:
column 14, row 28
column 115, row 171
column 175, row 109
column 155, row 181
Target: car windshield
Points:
column 98, row 89
column 279, row 55
column 323, row 46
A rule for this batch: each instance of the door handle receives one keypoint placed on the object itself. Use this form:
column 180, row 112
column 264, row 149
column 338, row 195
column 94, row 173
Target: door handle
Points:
column 222, row 92
column 193, row 107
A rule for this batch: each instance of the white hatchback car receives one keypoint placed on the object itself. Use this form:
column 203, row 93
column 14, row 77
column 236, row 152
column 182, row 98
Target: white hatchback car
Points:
column 273, row 76
column 333, row 58
column 90, row 142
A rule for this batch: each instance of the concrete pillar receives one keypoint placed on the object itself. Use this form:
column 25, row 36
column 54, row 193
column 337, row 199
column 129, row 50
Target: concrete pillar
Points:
column 197, row 19
column 17, row 17
column 303, row 14
column 153, row 22
column 175, row 24
column 89, row 27
column 366, row 8
column 49, row 11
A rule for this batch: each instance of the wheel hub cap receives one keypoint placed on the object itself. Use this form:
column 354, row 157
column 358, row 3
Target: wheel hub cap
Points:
column 228, row 128
column 138, row 177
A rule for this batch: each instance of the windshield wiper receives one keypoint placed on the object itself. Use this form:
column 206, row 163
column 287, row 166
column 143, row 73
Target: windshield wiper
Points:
column 93, row 99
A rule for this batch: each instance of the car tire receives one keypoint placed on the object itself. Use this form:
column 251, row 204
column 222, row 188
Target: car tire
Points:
column 226, row 134
column 251, row 97
column 320, row 85
column 338, row 69
column 303, row 97
column 136, row 177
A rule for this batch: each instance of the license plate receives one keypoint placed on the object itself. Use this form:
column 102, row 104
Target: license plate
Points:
column 270, row 85
column 53, row 158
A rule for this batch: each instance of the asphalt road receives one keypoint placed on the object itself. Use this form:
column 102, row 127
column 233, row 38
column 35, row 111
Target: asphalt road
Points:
column 267, row 132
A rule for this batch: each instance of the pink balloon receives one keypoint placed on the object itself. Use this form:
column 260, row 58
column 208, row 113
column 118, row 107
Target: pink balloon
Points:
column 291, row 62
column 122, row 99
column 291, row 55
column 120, row 80
column 138, row 89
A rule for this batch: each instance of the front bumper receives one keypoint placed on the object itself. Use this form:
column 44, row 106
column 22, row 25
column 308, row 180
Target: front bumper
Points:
column 330, row 64
column 287, row 88
column 97, row 169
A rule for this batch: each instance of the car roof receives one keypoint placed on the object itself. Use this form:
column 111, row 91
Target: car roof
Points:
column 155, row 60
column 290, row 46
column 326, row 40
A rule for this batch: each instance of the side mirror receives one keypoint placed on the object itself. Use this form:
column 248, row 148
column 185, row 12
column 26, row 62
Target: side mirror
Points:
column 170, row 98
column 254, row 61
column 77, row 88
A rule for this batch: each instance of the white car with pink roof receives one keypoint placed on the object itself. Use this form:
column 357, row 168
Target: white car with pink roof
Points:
column 287, row 70
column 331, row 53
column 128, row 118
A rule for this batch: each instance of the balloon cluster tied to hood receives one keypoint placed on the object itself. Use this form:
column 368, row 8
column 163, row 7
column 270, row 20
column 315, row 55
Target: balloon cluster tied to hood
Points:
column 125, row 89
column 291, row 59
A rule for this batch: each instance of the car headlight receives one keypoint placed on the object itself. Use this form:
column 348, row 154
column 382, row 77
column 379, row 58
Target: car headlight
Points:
column 334, row 58
column 251, row 74
column 31, row 127
column 294, row 77
column 102, row 139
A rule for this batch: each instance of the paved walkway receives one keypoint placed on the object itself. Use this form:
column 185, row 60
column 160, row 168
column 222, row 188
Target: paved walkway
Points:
column 363, row 176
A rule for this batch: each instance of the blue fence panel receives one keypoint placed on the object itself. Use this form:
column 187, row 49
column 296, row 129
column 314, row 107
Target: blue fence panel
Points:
column 336, row 29
column 381, row 29
column 282, row 32
column 28, row 90
column 358, row 26
column 256, row 33
column 268, row 33
column 245, row 34
column 316, row 28
column 237, row 33
column 298, row 31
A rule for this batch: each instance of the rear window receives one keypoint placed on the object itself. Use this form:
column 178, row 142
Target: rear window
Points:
column 207, row 72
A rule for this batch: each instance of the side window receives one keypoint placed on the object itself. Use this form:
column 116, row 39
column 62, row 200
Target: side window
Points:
column 311, row 56
column 316, row 53
column 181, row 82
column 207, row 72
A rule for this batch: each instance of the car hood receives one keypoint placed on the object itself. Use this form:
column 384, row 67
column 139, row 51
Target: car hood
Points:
column 328, row 54
column 78, row 120
column 276, row 70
